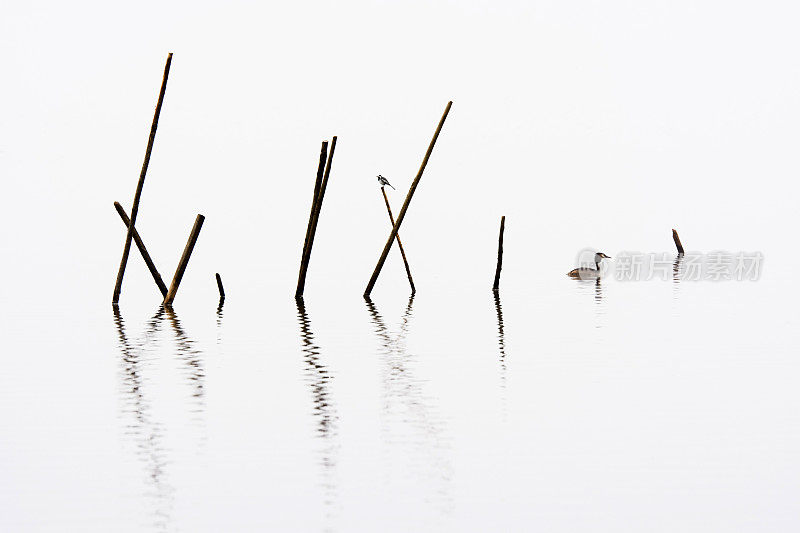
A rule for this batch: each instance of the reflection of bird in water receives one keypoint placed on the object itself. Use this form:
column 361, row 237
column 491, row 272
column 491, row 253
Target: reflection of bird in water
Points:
column 383, row 181
column 589, row 273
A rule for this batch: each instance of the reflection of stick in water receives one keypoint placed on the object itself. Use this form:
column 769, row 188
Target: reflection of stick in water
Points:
column 501, row 338
column 677, row 273
column 147, row 434
column 501, row 344
column 410, row 424
column 324, row 411
column 192, row 358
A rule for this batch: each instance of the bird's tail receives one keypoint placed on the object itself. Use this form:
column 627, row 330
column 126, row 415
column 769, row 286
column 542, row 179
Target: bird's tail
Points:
column 390, row 185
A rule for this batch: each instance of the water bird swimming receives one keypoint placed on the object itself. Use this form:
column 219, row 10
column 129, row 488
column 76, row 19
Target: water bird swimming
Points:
column 589, row 273
column 383, row 181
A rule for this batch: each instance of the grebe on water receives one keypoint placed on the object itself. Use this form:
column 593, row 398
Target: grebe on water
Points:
column 589, row 273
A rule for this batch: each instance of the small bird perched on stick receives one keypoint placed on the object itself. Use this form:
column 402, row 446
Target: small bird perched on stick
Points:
column 383, row 181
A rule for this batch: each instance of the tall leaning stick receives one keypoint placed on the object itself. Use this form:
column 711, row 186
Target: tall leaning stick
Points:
column 135, row 209
column 140, row 244
column 400, row 244
column 187, row 253
column 677, row 240
column 496, row 286
column 301, row 282
column 403, row 210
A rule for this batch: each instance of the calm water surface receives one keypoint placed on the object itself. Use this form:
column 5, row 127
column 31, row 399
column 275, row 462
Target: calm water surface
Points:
column 570, row 405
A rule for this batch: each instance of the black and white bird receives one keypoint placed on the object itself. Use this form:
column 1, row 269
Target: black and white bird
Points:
column 383, row 181
column 588, row 272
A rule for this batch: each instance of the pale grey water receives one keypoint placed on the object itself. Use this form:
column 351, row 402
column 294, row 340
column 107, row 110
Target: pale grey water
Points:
column 563, row 406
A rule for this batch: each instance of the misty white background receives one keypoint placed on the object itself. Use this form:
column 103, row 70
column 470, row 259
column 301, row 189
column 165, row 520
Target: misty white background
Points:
column 587, row 124
column 598, row 124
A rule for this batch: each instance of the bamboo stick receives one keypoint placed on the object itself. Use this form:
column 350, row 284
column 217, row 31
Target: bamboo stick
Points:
column 139, row 244
column 403, row 210
column 221, row 289
column 677, row 241
column 496, row 286
column 301, row 281
column 187, row 253
column 140, row 185
column 399, row 244
column 317, row 184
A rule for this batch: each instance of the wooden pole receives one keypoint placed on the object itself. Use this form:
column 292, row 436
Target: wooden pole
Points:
column 221, row 289
column 496, row 286
column 677, row 241
column 403, row 210
column 139, row 244
column 323, row 155
column 135, row 209
column 187, row 253
column 301, row 278
column 301, row 281
column 400, row 244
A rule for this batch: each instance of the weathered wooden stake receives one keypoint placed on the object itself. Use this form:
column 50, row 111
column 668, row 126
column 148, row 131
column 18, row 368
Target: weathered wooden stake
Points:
column 221, row 289
column 187, row 253
column 317, row 185
column 400, row 244
column 135, row 209
column 146, row 256
column 323, row 155
column 496, row 286
column 403, row 210
column 677, row 241
column 301, row 280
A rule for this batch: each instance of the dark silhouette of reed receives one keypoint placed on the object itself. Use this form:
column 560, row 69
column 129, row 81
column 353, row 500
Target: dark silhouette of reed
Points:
column 135, row 209
column 320, row 186
column 677, row 240
column 496, row 286
column 187, row 253
column 399, row 243
column 404, row 209
column 145, row 255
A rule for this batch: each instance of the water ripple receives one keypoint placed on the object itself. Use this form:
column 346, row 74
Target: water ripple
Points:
column 411, row 428
column 319, row 379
